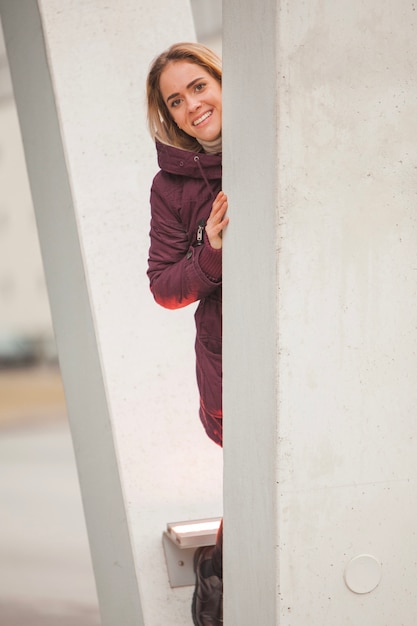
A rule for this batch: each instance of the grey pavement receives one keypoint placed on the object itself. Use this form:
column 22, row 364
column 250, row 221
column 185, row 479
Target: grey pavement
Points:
column 19, row 615
column 46, row 576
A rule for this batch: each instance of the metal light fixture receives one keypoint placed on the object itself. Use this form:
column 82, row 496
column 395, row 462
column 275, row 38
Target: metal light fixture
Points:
column 180, row 541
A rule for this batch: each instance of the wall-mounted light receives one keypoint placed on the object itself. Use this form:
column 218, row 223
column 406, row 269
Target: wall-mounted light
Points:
column 180, row 541
column 195, row 533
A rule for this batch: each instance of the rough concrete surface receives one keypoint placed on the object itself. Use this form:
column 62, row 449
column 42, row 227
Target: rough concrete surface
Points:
column 46, row 576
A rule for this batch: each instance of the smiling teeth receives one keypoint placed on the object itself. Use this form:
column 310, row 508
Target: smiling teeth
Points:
column 202, row 118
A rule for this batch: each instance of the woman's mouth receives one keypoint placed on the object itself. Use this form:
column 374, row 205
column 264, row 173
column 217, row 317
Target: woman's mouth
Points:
column 201, row 119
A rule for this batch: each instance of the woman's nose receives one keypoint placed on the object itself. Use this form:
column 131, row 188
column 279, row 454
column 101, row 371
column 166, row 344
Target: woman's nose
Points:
column 193, row 104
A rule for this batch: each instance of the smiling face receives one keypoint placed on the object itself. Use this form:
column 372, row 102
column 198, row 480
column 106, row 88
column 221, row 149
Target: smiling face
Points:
column 193, row 98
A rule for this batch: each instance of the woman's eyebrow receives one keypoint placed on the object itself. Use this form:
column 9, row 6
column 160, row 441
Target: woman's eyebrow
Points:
column 193, row 82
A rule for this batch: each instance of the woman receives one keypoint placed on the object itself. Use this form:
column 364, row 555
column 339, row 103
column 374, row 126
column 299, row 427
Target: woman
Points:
column 188, row 216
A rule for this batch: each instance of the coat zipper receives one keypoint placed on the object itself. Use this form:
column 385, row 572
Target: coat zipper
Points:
column 200, row 233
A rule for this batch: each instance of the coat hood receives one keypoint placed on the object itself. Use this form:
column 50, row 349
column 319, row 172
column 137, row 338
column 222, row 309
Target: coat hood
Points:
column 191, row 164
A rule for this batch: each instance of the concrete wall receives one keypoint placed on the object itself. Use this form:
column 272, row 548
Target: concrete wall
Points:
column 128, row 365
column 320, row 363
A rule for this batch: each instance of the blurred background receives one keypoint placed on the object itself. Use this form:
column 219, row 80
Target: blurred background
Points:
column 46, row 577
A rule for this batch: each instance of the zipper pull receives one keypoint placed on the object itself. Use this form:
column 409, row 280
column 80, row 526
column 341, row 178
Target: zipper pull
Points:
column 200, row 232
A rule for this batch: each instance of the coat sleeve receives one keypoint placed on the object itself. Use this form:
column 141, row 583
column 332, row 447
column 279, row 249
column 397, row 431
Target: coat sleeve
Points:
column 179, row 273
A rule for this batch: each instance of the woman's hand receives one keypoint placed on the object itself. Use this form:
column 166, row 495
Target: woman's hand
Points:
column 217, row 220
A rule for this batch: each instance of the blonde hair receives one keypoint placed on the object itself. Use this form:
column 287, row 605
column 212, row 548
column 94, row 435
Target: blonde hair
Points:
column 161, row 125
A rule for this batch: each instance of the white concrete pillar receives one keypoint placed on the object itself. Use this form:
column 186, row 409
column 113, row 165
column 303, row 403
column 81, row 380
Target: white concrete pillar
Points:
column 143, row 459
column 320, row 316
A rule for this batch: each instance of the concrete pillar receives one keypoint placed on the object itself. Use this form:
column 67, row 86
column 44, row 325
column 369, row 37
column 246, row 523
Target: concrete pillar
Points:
column 143, row 459
column 320, row 317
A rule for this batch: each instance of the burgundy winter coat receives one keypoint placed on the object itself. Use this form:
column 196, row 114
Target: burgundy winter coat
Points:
column 184, row 268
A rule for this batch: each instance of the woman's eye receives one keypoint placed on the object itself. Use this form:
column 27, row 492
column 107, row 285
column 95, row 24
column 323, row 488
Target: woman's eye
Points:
column 200, row 86
column 175, row 103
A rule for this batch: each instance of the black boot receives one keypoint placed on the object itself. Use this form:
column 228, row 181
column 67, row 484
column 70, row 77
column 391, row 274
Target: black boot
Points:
column 218, row 553
column 207, row 607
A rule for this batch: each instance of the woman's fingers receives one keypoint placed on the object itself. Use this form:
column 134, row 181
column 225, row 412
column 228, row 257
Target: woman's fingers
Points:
column 220, row 203
column 217, row 220
column 219, row 207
